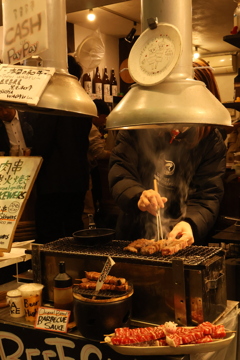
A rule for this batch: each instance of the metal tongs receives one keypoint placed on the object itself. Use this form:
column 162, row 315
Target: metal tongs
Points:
column 158, row 216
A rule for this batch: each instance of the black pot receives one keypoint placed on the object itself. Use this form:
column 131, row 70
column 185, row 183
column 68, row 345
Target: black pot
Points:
column 91, row 237
column 97, row 318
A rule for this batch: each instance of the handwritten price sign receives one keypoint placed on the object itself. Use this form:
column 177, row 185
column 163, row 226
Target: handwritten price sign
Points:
column 23, row 84
column 17, row 176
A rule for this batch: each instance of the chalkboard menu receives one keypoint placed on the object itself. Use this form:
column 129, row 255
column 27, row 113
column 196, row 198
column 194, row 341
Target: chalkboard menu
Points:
column 17, row 176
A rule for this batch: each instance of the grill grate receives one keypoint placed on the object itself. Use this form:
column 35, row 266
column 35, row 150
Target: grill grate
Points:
column 192, row 255
column 102, row 294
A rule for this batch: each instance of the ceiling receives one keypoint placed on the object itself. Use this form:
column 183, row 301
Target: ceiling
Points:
column 211, row 21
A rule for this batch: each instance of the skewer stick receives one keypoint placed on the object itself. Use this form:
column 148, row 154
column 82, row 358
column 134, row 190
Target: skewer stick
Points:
column 158, row 227
column 158, row 217
column 230, row 331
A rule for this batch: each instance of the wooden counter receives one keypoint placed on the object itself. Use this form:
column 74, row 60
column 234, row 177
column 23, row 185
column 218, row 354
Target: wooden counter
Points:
column 20, row 339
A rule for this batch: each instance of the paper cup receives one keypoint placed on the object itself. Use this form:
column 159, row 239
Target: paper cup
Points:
column 15, row 301
column 32, row 299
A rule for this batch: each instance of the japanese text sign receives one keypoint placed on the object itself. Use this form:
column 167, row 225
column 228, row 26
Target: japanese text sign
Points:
column 17, row 176
column 24, row 29
column 23, row 84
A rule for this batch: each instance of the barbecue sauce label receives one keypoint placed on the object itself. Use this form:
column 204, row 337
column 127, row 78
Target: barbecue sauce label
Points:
column 52, row 319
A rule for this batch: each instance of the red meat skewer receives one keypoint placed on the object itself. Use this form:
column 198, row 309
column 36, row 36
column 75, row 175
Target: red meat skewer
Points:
column 158, row 336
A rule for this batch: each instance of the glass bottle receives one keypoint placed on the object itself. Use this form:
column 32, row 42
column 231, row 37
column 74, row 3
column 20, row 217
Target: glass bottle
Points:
column 62, row 291
column 106, row 84
column 97, row 84
column 236, row 17
column 87, row 83
column 113, row 84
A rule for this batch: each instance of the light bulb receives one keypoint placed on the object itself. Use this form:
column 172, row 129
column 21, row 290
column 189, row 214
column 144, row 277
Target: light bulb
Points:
column 196, row 55
column 91, row 16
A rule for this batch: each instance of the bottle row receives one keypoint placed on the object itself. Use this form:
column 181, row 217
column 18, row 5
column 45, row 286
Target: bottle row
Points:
column 103, row 87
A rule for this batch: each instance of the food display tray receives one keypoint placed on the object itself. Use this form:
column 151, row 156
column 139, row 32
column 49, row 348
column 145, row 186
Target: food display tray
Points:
column 216, row 345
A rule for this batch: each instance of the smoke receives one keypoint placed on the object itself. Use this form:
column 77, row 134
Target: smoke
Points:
column 171, row 165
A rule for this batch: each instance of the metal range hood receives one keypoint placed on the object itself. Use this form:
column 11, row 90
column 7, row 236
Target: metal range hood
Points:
column 64, row 94
column 178, row 99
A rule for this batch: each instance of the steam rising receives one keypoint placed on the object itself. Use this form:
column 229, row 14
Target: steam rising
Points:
column 171, row 165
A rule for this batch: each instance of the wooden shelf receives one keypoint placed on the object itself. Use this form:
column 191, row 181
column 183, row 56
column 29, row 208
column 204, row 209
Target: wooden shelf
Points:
column 232, row 105
column 233, row 39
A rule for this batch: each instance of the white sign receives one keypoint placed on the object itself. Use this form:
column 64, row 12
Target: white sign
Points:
column 23, row 84
column 52, row 319
column 17, row 176
column 105, row 271
column 25, row 30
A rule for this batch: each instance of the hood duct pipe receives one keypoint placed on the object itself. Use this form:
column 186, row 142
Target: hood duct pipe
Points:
column 178, row 99
column 64, row 94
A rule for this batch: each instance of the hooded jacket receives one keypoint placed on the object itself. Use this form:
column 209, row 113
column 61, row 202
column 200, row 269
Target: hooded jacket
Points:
column 190, row 177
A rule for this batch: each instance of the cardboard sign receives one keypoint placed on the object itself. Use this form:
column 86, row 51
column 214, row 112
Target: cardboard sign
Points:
column 25, row 31
column 52, row 319
column 17, row 176
column 24, row 84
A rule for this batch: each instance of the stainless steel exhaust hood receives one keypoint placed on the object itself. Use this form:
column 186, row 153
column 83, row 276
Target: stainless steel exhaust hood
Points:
column 64, row 94
column 178, row 99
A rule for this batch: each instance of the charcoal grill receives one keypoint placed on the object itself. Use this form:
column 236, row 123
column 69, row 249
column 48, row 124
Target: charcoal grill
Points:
column 188, row 287
column 192, row 255
column 101, row 314
column 100, row 295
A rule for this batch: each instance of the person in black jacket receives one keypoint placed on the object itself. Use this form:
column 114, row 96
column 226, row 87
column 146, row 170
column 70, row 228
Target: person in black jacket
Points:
column 188, row 169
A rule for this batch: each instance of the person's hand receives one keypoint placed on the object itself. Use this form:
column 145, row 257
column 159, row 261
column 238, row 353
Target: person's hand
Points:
column 151, row 201
column 182, row 231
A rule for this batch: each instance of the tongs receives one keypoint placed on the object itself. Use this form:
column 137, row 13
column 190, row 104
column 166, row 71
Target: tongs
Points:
column 158, row 216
